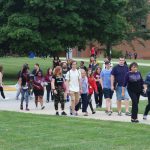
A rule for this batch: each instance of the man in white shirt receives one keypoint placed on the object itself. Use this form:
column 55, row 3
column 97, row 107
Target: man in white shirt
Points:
column 73, row 85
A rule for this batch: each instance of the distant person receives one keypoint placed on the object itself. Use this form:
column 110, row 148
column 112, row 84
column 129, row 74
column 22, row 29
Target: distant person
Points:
column 48, row 79
column 82, row 66
column 130, row 55
column 126, row 55
column 1, row 83
column 93, row 52
column 36, row 69
column 56, row 61
column 134, row 82
column 135, row 55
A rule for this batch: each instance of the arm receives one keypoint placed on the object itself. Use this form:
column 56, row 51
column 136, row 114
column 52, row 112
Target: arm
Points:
column 101, row 79
column 125, row 84
column 53, row 86
column 112, row 78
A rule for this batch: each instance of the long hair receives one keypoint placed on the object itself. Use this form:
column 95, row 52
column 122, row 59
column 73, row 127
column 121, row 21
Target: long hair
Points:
column 58, row 71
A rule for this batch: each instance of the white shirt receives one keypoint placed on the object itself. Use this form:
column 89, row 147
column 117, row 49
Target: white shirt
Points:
column 73, row 76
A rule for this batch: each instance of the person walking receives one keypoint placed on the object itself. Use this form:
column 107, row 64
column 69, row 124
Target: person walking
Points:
column 84, row 93
column 105, row 80
column 91, row 89
column 38, row 89
column 48, row 79
column 147, row 90
column 23, row 81
column 134, row 82
column 1, row 83
column 58, row 87
column 73, row 86
column 117, row 79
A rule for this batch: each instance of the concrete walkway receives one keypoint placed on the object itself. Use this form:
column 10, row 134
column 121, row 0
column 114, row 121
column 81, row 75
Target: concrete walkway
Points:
column 13, row 105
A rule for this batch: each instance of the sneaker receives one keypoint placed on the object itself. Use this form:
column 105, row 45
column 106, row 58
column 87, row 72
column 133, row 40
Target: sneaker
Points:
column 93, row 112
column 63, row 113
column 76, row 114
column 57, row 113
column 135, row 120
column 27, row 109
column 85, row 114
column 6, row 98
column 119, row 113
column 106, row 111
column 47, row 101
column 109, row 113
column 21, row 107
column 71, row 113
column 144, row 117
column 42, row 107
column 128, row 113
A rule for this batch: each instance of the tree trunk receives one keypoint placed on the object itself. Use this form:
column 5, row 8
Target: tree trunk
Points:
column 108, row 49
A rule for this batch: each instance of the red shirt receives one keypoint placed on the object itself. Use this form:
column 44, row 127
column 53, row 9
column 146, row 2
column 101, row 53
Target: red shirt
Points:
column 93, row 51
column 92, row 85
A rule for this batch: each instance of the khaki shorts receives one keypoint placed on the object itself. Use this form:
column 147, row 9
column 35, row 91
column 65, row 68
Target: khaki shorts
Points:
column 74, row 95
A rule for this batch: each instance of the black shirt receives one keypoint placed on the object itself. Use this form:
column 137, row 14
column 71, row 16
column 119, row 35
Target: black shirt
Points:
column 58, row 81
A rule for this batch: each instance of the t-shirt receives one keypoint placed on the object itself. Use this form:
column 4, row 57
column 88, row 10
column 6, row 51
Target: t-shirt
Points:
column 59, row 80
column 84, row 85
column 105, row 76
column 133, row 81
column 119, row 73
column 73, row 76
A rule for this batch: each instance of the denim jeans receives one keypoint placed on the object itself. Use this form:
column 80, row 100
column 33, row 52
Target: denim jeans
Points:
column 24, row 96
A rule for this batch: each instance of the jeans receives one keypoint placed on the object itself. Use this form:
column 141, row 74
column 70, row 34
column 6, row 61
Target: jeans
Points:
column 99, row 96
column 24, row 96
column 48, row 89
column 135, row 101
column 147, row 108
column 84, row 102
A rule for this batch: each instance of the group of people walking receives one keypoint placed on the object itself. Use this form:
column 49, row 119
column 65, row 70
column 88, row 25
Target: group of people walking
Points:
column 66, row 80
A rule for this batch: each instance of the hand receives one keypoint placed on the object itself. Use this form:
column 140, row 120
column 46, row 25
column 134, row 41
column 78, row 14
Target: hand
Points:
column 55, row 92
column 112, row 88
column 144, row 90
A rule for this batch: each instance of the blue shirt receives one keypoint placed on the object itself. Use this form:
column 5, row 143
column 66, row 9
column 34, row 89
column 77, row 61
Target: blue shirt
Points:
column 119, row 73
column 84, row 85
column 105, row 76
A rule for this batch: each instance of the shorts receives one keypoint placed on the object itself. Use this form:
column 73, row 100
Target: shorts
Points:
column 108, row 93
column 38, row 92
column 119, row 94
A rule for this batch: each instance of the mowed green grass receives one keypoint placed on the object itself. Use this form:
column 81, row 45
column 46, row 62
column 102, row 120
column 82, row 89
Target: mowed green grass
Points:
column 19, row 131
column 12, row 65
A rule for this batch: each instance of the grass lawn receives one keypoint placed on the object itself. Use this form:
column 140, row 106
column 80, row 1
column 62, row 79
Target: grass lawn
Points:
column 12, row 66
column 142, row 105
column 19, row 131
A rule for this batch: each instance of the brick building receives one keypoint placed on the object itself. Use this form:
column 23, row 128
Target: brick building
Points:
column 142, row 50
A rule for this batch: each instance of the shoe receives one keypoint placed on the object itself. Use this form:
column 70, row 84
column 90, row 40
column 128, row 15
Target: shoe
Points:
column 106, row 111
column 119, row 113
column 93, row 112
column 42, row 107
column 6, row 98
column 47, row 101
column 27, row 109
column 63, row 113
column 21, row 107
column 144, row 117
column 135, row 120
column 128, row 113
column 85, row 114
column 76, row 114
column 109, row 113
column 57, row 113
column 71, row 113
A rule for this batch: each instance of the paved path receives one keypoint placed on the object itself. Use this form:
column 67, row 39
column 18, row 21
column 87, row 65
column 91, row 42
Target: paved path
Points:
column 13, row 105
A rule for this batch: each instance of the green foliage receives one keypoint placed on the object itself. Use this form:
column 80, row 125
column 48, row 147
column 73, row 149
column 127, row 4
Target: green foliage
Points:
column 54, row 25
